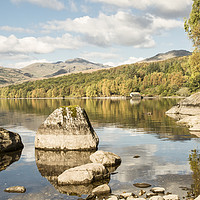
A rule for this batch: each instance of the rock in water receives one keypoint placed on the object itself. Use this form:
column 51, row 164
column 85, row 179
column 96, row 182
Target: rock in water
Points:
column 83, row 174
column 67, row 128
column 105, row 158
column 188, row 113
column 9, row 141
column 16, row 189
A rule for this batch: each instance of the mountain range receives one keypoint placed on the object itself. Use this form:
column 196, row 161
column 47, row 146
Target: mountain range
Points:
column 46, row 70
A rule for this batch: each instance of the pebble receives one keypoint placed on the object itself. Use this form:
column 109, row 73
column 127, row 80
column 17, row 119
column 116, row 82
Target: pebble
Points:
column 158, row 190
column 112, row 198
column 136, row 156
column 125, row 195
column 156, row 198
column 171, row 197
column 16, row 189
column 141, row 192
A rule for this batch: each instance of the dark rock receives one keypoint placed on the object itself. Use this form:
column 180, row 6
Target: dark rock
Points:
column 8, row 158
column 9, row 141
column 142, row 185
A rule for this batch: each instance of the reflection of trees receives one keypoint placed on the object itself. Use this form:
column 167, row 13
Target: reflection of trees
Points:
column 194, row 160
column 121, row 113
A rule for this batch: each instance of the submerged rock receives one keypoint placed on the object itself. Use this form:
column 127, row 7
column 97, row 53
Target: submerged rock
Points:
column 16, row 189
column 9, row 141
column 142, row 185
column 105, row 158
column 83, row 174
column 67, row 128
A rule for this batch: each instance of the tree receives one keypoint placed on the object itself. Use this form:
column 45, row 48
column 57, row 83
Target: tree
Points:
column 192, row 25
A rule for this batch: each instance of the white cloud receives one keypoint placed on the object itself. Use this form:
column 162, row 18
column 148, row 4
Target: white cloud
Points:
column 169, row 8
column 53, row 4
column 131, row 60
column 120, row 29
column 26, row 63
column 40, row 45
column 73, row 6
column 99, row 55
column 15, row 29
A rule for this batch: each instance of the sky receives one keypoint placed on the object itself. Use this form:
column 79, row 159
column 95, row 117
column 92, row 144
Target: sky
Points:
column 112, row 32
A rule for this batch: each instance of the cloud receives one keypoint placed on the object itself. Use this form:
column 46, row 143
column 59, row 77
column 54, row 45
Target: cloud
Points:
column 169, row 8
column 26, row 63
column 122, row 28
column 15, row 29
column 99, row 55
column 53, row 4
column 40, row 45
column 131, row 60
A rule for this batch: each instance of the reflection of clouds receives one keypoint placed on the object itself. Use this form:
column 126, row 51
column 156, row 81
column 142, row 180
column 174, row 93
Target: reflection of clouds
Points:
column 157, row 157
column 28, row 137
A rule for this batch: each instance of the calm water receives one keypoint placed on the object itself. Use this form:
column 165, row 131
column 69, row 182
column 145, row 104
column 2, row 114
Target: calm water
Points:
column 123, row 126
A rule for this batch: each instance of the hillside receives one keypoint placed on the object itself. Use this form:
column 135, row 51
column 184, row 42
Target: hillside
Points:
column 166, row 78
column 168, row 55
column 36, row 71
column 45, row 70
column 10, row 76
column 39, row 70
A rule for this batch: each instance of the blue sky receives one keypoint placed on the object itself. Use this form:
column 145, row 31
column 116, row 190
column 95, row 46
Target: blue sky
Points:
column 104, row 31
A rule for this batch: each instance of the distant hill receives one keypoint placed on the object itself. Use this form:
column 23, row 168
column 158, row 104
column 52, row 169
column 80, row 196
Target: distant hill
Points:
column 45, row 70
column 168, row 55
column 38, row 70
column 10, row 76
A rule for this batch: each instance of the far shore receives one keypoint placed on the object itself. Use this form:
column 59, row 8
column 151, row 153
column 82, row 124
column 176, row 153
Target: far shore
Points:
column 111, row 97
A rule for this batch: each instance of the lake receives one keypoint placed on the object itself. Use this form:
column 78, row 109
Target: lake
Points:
column 153, row 148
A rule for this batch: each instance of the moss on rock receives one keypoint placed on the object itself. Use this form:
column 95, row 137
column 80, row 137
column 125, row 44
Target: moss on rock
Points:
column 71, row 108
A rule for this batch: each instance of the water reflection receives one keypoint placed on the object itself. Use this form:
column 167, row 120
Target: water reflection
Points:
column 53, row 163
column 6, row 159
column 121, row 113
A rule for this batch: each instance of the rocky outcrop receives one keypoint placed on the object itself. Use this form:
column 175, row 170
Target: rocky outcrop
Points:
column 105, row 158
column 83, row 174
column 67, row 128
column 187, row 112
column 9, row 141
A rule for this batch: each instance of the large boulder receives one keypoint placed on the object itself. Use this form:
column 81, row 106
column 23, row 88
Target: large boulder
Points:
column 9, row 141
column 105, row 158
column 83, row 174
column 187, row 112
column 67, row 128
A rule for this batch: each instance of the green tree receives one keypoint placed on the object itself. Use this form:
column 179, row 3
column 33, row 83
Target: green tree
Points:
column 192, row 25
